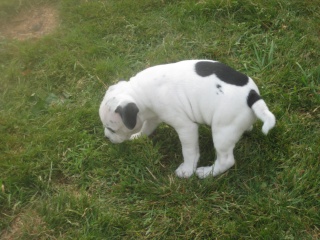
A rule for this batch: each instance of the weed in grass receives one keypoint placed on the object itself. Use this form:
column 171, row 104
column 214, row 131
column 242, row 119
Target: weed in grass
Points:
column 310, row 80
column 264, row 58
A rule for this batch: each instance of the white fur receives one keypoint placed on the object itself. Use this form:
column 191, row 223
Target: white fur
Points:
column 177, row 95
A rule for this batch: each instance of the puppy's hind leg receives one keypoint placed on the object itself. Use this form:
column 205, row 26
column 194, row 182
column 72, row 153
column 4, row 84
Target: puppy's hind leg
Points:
column 224, row 142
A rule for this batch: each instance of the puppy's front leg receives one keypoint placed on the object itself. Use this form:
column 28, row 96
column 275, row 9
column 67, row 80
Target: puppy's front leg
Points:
column 188, row 135
column 147, row 128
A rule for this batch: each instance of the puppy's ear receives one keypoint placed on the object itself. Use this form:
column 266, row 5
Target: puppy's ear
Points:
column 128, row 114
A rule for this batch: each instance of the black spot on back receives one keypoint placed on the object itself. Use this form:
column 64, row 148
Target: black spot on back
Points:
column 219, row 88
column 222, row 71
column 252, row 98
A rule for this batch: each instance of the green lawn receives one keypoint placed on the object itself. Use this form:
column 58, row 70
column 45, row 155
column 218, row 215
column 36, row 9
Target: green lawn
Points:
column 59, row 177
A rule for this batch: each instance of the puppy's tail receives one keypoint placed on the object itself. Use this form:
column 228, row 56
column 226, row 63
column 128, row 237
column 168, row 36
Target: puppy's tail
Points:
column 260, row 109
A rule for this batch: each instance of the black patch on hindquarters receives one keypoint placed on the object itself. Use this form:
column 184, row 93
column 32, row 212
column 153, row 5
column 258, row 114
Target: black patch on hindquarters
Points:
column 222, row 71
column 252, row 98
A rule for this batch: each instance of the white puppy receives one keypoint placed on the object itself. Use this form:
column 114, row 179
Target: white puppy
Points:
column 183, row 95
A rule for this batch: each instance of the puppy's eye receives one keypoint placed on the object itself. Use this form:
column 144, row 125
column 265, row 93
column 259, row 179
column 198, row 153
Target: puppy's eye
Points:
column 111, row 130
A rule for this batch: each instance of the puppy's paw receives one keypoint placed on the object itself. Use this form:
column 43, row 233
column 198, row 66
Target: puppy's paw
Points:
column 135, row 136
column 250, row 128
column 184, row 171
column 203, row 172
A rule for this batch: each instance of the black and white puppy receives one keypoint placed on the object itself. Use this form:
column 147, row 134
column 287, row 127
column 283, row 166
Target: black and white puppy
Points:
column 183, row 95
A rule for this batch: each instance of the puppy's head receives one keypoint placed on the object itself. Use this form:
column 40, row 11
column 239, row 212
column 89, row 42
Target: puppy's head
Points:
column 119, row 114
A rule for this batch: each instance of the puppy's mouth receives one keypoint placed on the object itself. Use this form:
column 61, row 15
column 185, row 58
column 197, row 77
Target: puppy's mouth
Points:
column 115, row 141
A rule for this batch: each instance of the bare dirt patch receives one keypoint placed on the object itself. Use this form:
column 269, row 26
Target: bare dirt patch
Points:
column 26, row 223
column 31, row 23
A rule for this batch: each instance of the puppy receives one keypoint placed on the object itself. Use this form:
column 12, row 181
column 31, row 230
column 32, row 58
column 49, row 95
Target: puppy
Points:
column 184, row 95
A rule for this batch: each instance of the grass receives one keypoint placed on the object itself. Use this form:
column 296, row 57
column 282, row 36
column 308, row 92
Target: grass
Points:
column 62, row 180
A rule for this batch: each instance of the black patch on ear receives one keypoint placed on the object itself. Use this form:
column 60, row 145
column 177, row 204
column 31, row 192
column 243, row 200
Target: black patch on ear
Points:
column 128, row 114
column 222, row 71
column 252, row 98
